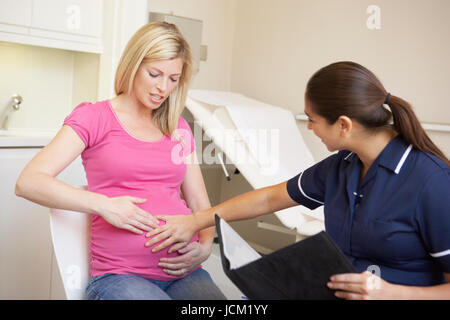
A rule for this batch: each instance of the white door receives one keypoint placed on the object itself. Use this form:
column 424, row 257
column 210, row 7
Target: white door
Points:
column 16, row 12
column 25, row 242
column 25, row 245
column 81, row 17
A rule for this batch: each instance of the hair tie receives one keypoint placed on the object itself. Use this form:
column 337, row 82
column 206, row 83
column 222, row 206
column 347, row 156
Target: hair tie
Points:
column 386, row 101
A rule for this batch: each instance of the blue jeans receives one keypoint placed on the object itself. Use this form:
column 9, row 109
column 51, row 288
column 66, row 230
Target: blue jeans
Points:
column 197, row 285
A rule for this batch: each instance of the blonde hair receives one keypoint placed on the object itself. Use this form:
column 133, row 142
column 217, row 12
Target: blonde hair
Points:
column 152, row 42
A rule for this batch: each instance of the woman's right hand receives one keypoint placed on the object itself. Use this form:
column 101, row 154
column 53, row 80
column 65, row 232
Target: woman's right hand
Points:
column 122, row 212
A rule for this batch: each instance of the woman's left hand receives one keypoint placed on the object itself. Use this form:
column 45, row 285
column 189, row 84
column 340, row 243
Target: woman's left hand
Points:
column 362, row 286
column 192, row 255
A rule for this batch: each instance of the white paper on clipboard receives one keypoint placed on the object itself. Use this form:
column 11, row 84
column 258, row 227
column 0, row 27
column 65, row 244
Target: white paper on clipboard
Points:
column 236, row 250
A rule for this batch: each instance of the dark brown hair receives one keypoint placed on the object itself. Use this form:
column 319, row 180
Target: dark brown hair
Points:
column 347, row 88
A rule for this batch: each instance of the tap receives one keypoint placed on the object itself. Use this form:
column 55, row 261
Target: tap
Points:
column 12, row 106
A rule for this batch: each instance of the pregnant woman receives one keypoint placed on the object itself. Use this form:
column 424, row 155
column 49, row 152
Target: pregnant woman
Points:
column 138, row 156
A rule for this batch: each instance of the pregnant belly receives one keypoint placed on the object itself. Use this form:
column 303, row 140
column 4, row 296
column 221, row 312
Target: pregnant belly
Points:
column 121, row 251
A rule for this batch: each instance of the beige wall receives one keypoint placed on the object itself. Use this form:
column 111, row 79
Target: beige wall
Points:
column 279, row 44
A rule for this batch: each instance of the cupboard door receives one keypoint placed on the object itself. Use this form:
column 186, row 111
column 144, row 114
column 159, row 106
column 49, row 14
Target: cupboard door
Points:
column 80, row 17
column 16, row 12
column 25, row 243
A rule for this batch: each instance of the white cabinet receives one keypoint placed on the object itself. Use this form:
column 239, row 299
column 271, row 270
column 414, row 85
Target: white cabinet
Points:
column 64, row 24
column 26, row 252
column 16, row 12
column 81, row 17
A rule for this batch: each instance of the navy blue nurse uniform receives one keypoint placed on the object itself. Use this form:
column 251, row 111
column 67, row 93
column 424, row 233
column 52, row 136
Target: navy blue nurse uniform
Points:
column 397, row 218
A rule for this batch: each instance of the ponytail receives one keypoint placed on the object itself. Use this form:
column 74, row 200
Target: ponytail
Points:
column 408, row 126
column 348, row 88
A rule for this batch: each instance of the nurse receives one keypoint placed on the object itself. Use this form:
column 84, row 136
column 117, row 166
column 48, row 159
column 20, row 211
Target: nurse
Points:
column 386, row 192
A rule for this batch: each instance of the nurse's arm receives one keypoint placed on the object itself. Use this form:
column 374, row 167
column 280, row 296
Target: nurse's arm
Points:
column 438, row 292
column 367, row 286
column 196, row 196
column 255, row 203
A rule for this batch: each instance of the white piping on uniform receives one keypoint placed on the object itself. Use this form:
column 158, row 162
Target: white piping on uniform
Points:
column 403, row 159
column 303, row 193
column 348, row 155
column 440, row 254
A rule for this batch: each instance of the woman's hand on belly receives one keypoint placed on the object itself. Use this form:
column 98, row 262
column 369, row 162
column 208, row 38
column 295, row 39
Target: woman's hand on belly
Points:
column 192, row 255
column 122, row 212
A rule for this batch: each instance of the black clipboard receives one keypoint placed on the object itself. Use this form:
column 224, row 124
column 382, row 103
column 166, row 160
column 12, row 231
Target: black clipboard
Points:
column 298, row 271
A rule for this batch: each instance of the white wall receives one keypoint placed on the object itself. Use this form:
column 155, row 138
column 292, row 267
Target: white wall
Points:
column 218, row 31
column 279, row 44
column 268, row 49
column 124, row 17
column 121, row 19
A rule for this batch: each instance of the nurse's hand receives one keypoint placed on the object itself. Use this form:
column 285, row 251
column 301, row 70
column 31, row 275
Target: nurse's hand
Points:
column 362, row 286
column 122, row 212
column 191, row 257
column 179, row 229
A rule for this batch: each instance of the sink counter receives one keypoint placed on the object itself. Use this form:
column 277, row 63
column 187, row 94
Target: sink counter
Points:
column 17, row 139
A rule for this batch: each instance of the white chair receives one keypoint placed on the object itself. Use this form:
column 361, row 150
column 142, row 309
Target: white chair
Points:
column 70, row 232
